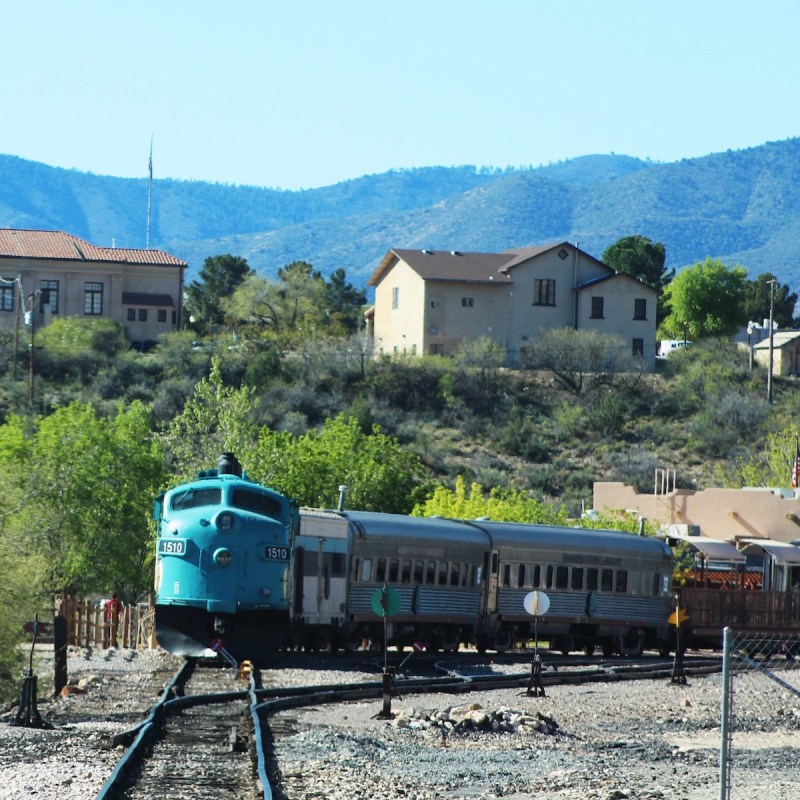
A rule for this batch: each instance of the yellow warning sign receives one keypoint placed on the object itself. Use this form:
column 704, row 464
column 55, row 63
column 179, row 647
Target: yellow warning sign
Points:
column 677, row 617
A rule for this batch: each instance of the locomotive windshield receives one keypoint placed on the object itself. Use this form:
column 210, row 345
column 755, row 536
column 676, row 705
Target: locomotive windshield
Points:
column 192, row 498
column 258, row 502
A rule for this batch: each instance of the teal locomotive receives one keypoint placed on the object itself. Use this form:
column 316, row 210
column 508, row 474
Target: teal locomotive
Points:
column 223, row 557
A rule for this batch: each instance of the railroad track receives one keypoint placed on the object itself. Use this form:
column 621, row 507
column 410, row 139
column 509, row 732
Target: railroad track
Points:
column 200, row 740
column 207, row 736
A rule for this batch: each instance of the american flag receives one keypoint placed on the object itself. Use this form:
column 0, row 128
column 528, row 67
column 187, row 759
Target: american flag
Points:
column 796, row 467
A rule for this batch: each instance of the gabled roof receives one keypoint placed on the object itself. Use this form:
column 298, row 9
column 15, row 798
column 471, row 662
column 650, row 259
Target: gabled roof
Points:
column 447, row 265
column 60, row 246
column 611, row 277
column 454, row 265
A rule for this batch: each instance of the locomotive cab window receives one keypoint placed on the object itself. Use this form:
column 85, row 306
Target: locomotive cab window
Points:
column 194, row 498
column 257, row 502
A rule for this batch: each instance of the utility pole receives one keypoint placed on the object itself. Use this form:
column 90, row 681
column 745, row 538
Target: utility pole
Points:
column 771, row 336
column 30, row 349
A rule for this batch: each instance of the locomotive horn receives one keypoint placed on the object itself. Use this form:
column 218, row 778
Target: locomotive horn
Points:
column 228, row 464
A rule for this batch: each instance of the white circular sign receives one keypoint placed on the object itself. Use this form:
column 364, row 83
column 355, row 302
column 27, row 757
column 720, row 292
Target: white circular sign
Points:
column 536, row 603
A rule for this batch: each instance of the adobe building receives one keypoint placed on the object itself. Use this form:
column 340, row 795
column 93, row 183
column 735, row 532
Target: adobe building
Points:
column 51, row 273
column 732, row 515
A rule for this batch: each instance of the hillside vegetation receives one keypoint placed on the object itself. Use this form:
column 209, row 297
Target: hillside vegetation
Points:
column 705, row 416
column 741, row 207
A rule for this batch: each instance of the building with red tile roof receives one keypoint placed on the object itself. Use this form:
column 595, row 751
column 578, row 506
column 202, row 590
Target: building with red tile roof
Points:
column 52, row 273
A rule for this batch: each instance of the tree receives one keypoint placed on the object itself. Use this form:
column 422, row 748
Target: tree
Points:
column 502, row 506
column 344, row 304
column 757, row 301
column 644, row 260
column 706, row 299
column 219, row 278
column 84, row 486
column 576, row 356
column 291, row 308
column 215, row 419
column 379, row 474
column 641, row 258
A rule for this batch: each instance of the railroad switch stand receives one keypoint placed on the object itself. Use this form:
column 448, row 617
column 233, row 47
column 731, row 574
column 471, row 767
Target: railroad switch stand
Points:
column 27, row 713
column 678, row 675
column 389, row 686
column 535, row 687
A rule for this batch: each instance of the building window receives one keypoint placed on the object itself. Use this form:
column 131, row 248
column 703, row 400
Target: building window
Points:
column 6, row 298
column 142, row 315
column 436, row 349
column 544, row 292
column 467, row 302
column 434, row 304
column 638, row 347
column 162, row 315
column 396, row 297
column 597, row 308
column 640, row 308
column 93, row 299
column 49, row 295
column 131, row 315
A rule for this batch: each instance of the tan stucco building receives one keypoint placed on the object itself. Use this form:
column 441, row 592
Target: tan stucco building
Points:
column 51, row 273
column 728, row 514
column 430, row 301
column 785, row 353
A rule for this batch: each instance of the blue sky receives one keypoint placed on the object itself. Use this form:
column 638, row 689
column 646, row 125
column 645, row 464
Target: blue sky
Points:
column 306, row 93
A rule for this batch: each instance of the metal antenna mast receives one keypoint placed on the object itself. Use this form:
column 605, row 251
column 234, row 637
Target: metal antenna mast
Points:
column 149, row 191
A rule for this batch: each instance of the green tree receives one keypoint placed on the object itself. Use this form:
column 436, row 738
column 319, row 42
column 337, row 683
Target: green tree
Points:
column 500, row 505
column 757, row 301
column 379, row 474
column 85, row 485
column 344, row 304
column 644, row 260
column 641, row 258
column 219, row 278
column 215, row 419
column 291, row 308
column 706, row 299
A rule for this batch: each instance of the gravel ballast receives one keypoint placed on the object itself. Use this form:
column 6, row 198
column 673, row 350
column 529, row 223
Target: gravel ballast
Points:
column 643, row 740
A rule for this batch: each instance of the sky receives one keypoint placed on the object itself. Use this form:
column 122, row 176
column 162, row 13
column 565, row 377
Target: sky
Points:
column 307, row 93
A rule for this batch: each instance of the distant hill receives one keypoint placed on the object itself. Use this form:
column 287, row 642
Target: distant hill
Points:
column 741, row 206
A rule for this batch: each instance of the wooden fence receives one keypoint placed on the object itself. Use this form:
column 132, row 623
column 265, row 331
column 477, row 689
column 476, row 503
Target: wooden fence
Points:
column 89, row 624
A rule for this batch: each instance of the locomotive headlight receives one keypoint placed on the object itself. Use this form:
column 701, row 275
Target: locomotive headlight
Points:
column 225, row 521
column 222, row 557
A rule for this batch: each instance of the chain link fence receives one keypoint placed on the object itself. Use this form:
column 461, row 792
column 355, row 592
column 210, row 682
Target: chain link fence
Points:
column 760, row 709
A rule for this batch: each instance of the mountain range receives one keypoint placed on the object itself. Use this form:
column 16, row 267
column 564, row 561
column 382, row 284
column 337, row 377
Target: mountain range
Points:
column 740, row 206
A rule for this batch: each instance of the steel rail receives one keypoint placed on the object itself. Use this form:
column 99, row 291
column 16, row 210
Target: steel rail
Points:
column 143, row 734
